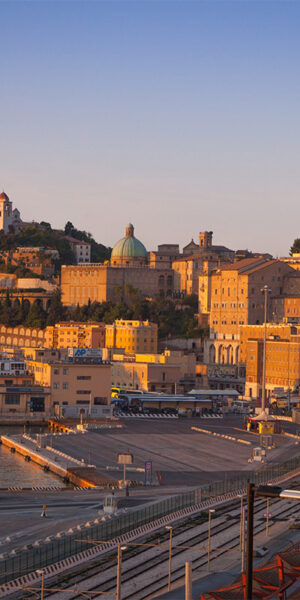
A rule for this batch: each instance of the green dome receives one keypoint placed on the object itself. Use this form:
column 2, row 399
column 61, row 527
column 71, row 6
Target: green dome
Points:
column 129, row 246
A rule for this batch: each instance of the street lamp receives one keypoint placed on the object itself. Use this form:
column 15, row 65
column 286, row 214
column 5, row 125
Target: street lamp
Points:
column 210, row 512
column 265, row 291
column 266, row 491
column 42, row 573
column 170, row 528
column 119, row 570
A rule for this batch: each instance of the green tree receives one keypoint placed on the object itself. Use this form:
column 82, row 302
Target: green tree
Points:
column 36, row 316
column 56, row 309
column 295, row 248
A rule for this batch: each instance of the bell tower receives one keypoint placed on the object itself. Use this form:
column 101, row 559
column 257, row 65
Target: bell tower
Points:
column 205, row 239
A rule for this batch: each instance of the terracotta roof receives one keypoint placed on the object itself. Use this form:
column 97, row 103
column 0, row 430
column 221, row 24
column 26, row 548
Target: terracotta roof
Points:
column 246, row 263
column 69, row 238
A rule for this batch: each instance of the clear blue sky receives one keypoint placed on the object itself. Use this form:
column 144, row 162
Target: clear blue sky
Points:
column 177, row 116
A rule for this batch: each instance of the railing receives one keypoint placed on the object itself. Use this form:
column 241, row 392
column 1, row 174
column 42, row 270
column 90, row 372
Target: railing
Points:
column 51, row 550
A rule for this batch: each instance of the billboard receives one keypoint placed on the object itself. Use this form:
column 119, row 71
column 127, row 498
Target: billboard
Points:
column 85, row 352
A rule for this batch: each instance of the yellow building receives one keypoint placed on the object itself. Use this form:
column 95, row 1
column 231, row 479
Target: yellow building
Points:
column 84, row 381
column 75, row 335
column 293, row 261
column 170, row 372
column 282, row 365
column 132, row 336
column 256, row 332
column 237, row 299
column 286, row 308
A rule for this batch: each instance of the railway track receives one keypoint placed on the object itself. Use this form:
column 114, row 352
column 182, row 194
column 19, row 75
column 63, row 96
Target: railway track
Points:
column 136, row 560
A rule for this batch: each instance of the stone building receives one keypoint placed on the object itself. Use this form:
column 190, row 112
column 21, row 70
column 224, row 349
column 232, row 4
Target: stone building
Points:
column 197, row 260
column 128, row 268
column 237, row 299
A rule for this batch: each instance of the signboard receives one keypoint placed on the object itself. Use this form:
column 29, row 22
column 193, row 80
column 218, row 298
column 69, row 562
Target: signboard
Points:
column 125, row 459
column 85, row 352
column 148, row 472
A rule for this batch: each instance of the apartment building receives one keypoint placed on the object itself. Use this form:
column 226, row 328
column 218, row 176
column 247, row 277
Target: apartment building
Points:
column 19, row 396
column 256, row 332
column 132, row 336
column 80, row 249
column 81, row 382
column 286, row 308
column 282, row 365
column 75, row 335
column 236, row 299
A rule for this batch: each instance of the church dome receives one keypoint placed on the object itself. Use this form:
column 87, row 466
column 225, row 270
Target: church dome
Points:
column 129, row 246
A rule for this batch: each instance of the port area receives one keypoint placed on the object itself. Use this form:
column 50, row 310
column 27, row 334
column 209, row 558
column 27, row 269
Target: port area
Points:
column 181, row 456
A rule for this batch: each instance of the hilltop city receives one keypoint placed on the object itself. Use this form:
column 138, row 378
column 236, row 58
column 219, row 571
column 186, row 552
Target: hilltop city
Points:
column 165, row 320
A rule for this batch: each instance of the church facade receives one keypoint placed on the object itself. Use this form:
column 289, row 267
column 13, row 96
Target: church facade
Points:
column 128, row 268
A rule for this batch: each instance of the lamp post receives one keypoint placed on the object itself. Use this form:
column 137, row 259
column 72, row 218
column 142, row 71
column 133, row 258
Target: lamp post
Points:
column 210, row 512
column 241, row 522
column 265, row 291
column 170, row 555
column 266, row 491
column 119, row 571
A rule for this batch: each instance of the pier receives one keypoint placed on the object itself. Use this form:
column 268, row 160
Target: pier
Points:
column 70, row 469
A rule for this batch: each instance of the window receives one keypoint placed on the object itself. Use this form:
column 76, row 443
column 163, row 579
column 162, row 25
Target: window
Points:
column 37, row 404
column 82, row 402
column 65, row 371
column 65, row 386
column 83, row 377
column 56, row 371
column 56, row 385
column 83, row 392
column 12, row 398
column 100, row 400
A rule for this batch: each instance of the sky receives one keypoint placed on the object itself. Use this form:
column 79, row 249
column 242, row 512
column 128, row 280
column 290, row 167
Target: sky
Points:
column 179, row 117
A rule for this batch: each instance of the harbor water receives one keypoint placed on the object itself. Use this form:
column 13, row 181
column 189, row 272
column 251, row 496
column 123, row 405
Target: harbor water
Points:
column 16, row 472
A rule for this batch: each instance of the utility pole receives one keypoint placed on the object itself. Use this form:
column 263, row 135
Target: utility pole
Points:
column 210, row 512
column 170, row 555
column 119, row 572
column 243, row 542
column 188, row 581
column 265, row 290
column 249, row 565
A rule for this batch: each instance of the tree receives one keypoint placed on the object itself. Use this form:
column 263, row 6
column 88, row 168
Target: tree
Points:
column 295, row 248
column 36, row 316
column 69, row 228
column 56, row 309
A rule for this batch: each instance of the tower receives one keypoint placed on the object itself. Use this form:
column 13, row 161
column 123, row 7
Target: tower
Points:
column 205, row 239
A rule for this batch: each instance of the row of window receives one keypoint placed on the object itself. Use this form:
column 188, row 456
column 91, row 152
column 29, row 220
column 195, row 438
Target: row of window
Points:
column 225, row 323
column 232, row 305
column 65, row 386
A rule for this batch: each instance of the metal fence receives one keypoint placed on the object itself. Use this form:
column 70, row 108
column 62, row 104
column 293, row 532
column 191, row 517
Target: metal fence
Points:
column 35, row 557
